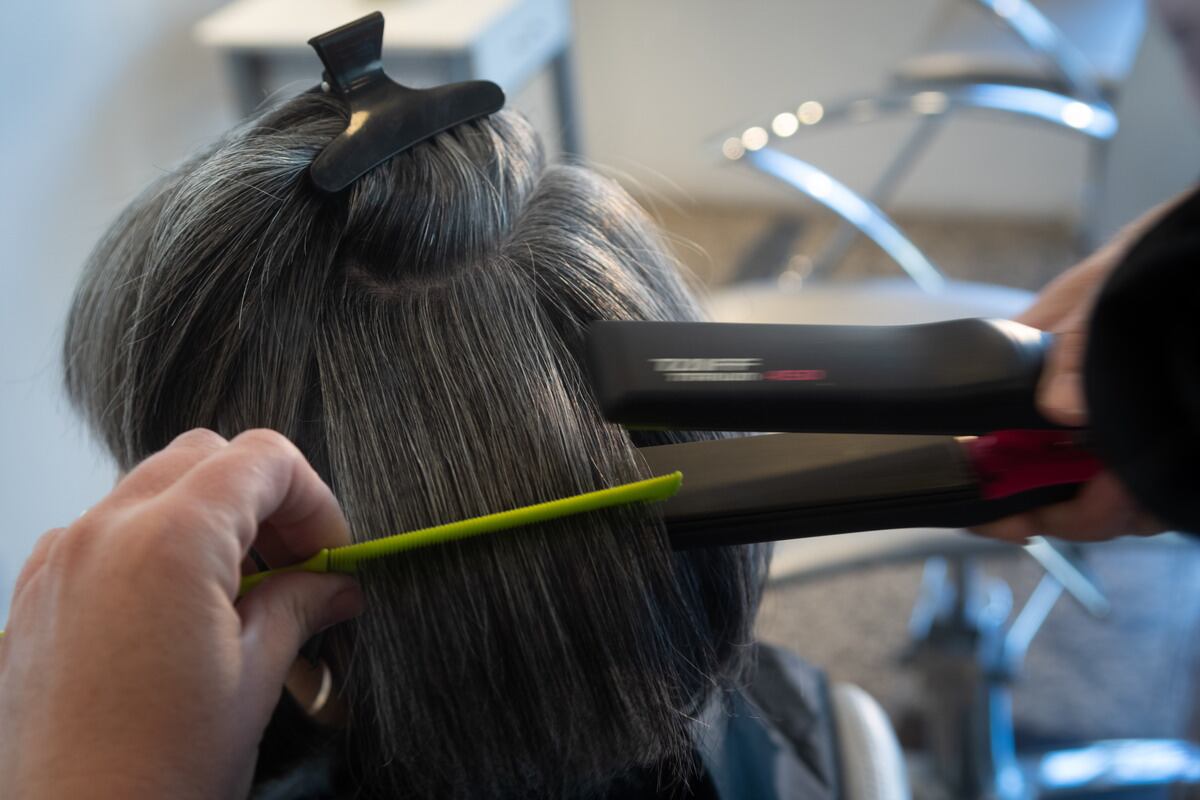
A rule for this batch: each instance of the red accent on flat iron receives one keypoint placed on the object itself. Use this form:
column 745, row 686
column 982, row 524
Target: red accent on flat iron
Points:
column 1011, row 462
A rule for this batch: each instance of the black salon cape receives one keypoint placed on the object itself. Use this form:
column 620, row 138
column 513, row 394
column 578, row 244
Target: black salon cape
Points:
column 1142, row 369
column 774, row 740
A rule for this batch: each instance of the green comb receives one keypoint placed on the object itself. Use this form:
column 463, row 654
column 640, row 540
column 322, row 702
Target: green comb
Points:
column 346, row 559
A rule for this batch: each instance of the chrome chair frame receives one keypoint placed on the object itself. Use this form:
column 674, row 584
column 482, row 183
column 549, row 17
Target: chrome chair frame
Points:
column 966, row 651
column 1042, row 36
column 968, row 658
column 1080, row 108
column 1096, row 121
column 964, row 648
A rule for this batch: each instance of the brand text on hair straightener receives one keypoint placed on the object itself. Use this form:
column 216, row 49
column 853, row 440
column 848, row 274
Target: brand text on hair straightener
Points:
column 726, row 370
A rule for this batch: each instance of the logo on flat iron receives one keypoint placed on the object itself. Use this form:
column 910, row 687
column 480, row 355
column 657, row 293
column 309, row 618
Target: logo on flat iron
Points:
column 728, row 370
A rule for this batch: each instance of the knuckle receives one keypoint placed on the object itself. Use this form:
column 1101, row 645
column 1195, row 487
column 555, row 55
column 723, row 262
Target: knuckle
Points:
column 298, row 612
column 180, row 513
column 170, row 536
column 201, row 439
column 270, row 442
column 164, row 519
column 100, row 518
column 1073, row 346
column 1067, row 352
column 45, row 542
column 1076, row 518
column 71, row 545
column 1010, row 530
column 39, row 556
column 1094, row 520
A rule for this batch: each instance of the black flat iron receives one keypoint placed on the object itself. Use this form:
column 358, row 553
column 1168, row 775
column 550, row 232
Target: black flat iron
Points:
column 873, row 426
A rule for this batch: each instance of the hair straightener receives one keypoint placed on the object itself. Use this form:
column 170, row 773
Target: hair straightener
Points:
column 876, row 426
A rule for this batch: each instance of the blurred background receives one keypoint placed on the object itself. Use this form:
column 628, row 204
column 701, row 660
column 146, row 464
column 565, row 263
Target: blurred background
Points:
column 681, row 102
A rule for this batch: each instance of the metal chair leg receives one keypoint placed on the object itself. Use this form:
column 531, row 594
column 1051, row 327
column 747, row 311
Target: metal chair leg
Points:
column 968, row 660
column 958, row 635
column 1043, row 37
column 1090, row 235
column 1094, row 120
column 882, row 192
column 1114, row 764
column 864, row 215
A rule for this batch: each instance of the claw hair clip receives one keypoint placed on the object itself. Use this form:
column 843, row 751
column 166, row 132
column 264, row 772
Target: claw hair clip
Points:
column 385, row 118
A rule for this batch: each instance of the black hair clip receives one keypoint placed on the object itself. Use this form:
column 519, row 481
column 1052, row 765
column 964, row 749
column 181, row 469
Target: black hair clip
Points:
column 385, row 118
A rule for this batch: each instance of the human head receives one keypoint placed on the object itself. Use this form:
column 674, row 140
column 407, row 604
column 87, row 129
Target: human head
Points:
column 419, row 336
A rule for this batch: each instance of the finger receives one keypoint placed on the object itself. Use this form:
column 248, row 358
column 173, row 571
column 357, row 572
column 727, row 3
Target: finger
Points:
column 161, row 470
column 1102, row 510
column 1062, row 297
column 1017, row 529
column 279, row 549
column 41, row 549
column 254, row 560
column 33, row 565
column 1060, row 391
column 282, row 614
column 260, row 479
column 1077, row 286
column 1146, row 524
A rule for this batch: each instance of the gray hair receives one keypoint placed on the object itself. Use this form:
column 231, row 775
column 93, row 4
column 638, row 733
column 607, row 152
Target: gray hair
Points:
column 419, row 337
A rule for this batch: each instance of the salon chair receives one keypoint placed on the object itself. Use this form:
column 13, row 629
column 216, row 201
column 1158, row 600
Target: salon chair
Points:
column 1059, row 63
column 1081, row 51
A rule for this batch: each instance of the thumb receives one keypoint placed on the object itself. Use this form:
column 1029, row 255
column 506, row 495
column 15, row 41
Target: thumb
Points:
column 280, row 615
column 1060, row 391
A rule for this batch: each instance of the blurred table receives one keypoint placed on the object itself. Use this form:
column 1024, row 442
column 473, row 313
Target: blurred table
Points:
column 425, row 43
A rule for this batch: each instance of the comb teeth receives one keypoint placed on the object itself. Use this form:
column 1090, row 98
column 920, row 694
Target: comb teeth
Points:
column 347, row 559
column 340, row 562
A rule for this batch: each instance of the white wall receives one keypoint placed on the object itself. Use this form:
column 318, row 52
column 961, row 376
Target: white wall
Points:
column 98, row 97
column 101, row 95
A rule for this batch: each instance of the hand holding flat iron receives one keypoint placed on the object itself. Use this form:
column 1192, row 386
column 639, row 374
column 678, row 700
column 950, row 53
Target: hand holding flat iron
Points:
column 1104, row 509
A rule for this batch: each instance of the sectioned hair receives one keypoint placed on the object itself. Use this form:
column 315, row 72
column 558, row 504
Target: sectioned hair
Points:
column 419, row 337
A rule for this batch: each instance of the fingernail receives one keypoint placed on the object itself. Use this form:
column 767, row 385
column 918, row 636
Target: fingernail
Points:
column 1064, row 397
